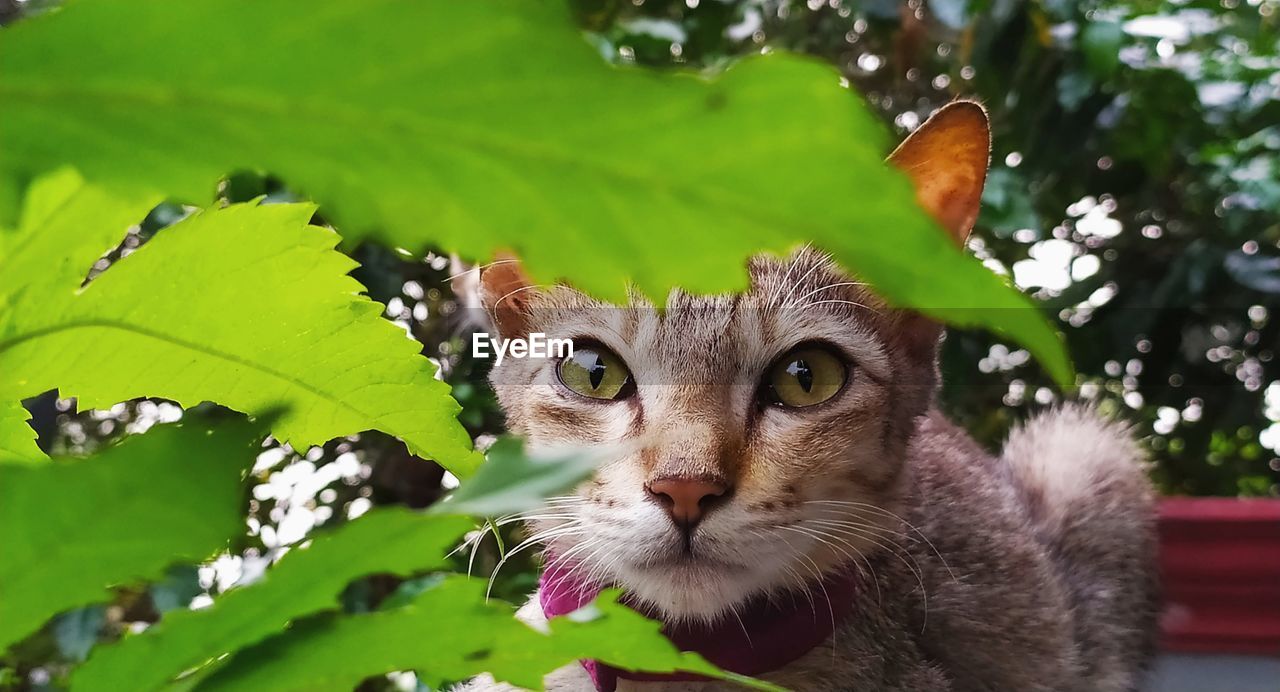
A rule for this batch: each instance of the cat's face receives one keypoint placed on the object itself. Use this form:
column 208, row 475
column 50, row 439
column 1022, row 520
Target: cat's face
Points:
column 755, row 442
column 795, row 479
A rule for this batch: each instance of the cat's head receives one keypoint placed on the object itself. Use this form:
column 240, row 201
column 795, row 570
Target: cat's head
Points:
column 756, row 440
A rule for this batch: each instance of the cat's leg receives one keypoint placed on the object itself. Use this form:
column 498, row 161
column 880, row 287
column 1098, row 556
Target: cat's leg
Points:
column 1084, row 483
column 869, row 652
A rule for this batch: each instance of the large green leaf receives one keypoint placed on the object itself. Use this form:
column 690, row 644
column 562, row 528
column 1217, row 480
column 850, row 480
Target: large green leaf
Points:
column 450, row 633
column 485, row 125
column 65, row 227
column 17, row 439
column 247, row 306
column 307, row 580
column 71, row 529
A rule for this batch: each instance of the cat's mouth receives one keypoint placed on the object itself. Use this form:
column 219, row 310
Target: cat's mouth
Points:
column 697, row 585
column 690, row 561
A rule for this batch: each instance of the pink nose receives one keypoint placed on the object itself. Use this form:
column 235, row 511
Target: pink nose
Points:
column 686, row 499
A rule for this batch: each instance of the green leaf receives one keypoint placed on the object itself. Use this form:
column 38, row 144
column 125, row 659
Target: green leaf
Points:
column 512, row 481
column 608, row 631
column 17, row 439
column 35, row 260
column 479, row 126
column 306, row 580
column 72, row 529
column 450, row 633
column 1101, row 41
column 247, row 306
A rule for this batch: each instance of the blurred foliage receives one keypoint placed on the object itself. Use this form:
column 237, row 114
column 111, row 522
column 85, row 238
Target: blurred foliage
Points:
column 445, row 631
column 193, row 502
column 567, row 186
column 512, row 482
column 389, row 541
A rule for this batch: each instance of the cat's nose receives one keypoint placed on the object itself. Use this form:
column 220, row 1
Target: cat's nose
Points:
column 686, row 499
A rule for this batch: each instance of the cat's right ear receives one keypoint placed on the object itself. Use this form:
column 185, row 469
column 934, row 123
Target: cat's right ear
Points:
column 946, row 159
column 505, row 292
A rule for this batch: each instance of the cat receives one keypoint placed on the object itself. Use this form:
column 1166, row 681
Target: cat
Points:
column 781, row 452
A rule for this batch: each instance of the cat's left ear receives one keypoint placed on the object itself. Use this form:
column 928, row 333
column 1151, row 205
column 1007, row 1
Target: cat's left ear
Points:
column 947, row 158
column 505, row 293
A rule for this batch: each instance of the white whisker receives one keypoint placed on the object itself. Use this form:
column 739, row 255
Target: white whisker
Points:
column 790, row 302
column 840, row 302
column 479, row 267
column 540, row 537
column 885, row 512
column 830, row 286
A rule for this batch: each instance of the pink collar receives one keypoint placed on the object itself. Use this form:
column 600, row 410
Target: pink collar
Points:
column 767, row 634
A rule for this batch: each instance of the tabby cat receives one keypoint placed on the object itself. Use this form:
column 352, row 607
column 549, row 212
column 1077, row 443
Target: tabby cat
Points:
column 786, row 497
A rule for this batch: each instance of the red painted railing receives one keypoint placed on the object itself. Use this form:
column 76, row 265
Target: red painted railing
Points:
column 1220, row 559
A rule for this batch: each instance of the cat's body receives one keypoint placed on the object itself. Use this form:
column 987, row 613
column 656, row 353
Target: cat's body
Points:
column 1039, row 581
column 789, row 432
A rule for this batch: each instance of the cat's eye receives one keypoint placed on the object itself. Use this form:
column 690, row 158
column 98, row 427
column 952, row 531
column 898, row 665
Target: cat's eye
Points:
column 806, row 376
column 596, row 373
